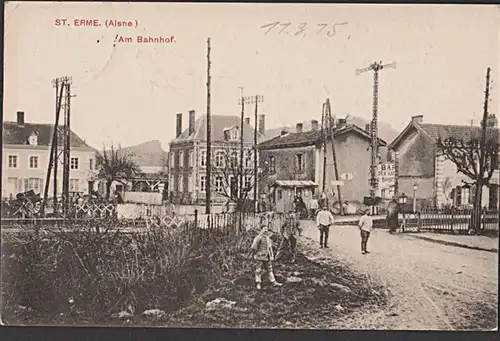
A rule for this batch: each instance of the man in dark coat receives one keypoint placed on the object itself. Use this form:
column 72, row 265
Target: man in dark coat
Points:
column 392, row 215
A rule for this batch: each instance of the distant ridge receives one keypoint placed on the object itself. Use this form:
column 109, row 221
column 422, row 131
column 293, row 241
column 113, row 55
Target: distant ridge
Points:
column 148, row 154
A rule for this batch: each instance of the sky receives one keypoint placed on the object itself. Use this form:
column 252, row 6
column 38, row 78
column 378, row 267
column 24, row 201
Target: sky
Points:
column 129, row 93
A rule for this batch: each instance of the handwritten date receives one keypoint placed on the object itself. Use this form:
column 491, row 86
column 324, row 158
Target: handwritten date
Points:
column 284, row 28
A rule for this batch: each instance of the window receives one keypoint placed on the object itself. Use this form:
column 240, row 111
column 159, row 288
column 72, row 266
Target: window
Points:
column 74, row 163
column 247, row 182
column 33, row 161
column 203, row 159
column 181, row 159
column 12, row 161
column 235, row 134
column 203, row 184
column 34, row 184
column 13, row 185
column 91, row 163
column 191, row 158
column 181, row 184
column 272, row 164
column 234, row 159
column 219, row 159
column 219, row 186
column 299, row 163
column 249, row 159
column 172, row 159
column 74, row 185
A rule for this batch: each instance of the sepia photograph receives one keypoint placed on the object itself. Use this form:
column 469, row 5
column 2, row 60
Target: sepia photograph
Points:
column 250, row 165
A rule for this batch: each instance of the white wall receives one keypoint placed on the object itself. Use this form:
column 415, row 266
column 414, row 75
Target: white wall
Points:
column 23, row 171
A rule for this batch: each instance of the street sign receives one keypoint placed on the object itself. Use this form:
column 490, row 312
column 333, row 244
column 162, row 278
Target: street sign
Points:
column 386, row 170
column 337, row 183
column 346, row 176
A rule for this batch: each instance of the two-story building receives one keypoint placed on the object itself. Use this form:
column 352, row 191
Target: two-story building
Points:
column 296, row 165
column 437, row 179
column 26, row 153
column 188, row 158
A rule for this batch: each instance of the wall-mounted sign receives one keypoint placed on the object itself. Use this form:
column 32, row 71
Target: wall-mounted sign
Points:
column 346, row 176
column 386, row 170
column 337, row 183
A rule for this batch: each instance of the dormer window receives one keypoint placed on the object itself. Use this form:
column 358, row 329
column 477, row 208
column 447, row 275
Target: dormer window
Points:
column 232, row 134
column 33, row 139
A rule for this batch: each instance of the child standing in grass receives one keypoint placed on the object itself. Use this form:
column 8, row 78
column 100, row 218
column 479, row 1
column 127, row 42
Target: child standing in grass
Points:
column 366, row 226
column 262, row 251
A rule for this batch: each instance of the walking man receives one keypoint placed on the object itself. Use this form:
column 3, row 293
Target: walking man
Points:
column 262, row 250
column 323, row 220
column 365, row 225
column 313, row 207
column 392, row 215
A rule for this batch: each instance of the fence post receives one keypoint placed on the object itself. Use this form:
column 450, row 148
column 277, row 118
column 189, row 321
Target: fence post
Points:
column 196, row 218
column 452, row 218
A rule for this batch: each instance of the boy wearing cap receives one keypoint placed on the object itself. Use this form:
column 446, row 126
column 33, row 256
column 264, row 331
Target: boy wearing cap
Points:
column 365, row 226
column 262, row 251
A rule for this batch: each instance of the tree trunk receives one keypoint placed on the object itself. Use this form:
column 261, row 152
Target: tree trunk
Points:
column 108, row 189
column 476, row 211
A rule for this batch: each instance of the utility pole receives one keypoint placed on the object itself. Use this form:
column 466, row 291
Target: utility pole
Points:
column 375, row 67
column 323, row 144
column 251, row 100
column 208, row 180
column 240, row 169
column 482, row 155
column 334, row 155
column 53, row 158
column 67, row 146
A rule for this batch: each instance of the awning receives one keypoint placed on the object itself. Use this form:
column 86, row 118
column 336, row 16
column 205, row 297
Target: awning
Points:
column 294, row 183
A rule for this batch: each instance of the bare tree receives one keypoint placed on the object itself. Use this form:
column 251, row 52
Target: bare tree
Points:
column 466, row 155
column 115, row 164
column 227, row 173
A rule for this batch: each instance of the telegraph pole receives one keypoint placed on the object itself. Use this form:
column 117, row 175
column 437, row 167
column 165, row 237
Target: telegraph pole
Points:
column 375, row 67
column 323, row 143
column 334, row 155
column 53, row 158
column 482, row 156
column 67, row 146
column 240, row 170
column 208, row 180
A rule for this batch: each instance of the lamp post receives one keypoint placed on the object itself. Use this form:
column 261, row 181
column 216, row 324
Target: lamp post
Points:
column 402, row 201
column 415, row 188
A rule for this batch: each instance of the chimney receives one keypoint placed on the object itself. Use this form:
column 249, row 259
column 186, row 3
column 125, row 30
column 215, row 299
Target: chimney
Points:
column 178, row 131
column 299, row 127
column 191, row 121
column 491, row 121
column 247, row 121
column 20, row 118
column 314, row 125
column 419, row 119
column 262, row 124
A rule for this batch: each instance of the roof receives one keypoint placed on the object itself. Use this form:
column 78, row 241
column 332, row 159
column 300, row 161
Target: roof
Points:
column 310, row 138
column 18, row 135
column 294, row 183
column 219, row 124
column 435, row 131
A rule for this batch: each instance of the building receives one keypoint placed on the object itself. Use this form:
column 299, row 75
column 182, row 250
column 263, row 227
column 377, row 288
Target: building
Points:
column 437, row 178
column 150, row 185
column 26, row 154
column 295, row 164
column 188, row 158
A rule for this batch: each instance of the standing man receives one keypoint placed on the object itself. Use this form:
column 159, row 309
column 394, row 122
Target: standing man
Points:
column 365, row 225
column 289, row 232
column 392, row 215
column 323, row 220
column 313, row 207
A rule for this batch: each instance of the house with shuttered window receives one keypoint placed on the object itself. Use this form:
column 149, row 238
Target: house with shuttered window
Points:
column 26, row 153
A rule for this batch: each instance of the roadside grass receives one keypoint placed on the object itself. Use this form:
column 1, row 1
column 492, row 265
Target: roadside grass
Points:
column 84, row 278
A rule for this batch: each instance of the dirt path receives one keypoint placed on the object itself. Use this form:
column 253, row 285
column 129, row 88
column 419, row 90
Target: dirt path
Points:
column 430, row 286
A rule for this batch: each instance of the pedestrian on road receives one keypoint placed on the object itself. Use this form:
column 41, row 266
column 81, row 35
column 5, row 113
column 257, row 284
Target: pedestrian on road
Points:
column 392, row 215
column 365, row 225
column 324, row 220
column 290, row 232
column 262, row 250
column 313, row 207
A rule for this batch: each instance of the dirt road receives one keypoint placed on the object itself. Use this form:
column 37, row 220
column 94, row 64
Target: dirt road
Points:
column 430, row 286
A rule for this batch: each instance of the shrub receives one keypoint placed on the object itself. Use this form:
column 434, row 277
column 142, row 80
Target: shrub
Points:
column 54, row 271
